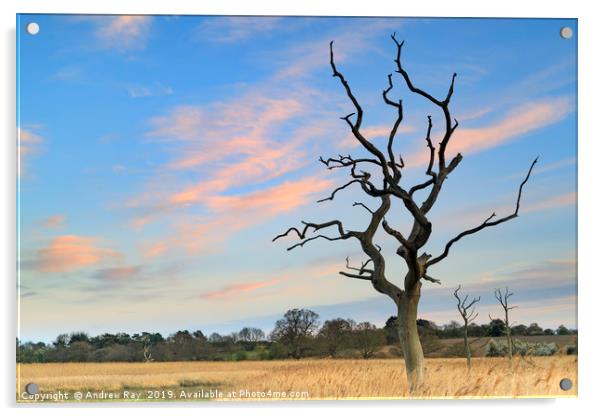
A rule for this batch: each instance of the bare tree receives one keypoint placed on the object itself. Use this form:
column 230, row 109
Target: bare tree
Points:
column 502, row 298
column 334, row 333
column 250, row 334
column 469, row 314
column 387, row 170
column 295, row 329
column 367, row 338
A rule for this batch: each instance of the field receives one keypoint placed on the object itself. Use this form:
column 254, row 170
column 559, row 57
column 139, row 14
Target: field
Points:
column 303, row 379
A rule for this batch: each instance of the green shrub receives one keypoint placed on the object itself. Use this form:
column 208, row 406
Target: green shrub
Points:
column 499, row 348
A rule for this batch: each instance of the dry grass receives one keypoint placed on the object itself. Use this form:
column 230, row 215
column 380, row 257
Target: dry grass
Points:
column 322, row 379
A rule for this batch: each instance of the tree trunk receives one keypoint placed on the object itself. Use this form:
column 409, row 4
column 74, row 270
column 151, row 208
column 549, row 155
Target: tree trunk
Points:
column 467, row 347
column 408, row 336
column 508, row 336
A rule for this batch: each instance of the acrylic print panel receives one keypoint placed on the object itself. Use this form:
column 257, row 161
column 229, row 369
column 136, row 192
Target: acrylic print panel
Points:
column 295, row 208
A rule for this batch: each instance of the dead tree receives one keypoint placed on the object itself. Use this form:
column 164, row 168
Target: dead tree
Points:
column 146, row 351
column 469, row 314
column 502, row 298
column 383, row 184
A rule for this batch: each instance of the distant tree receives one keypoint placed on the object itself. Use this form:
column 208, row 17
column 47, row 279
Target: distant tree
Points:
column 520, row 330
column 468, row 313
column 452, row 330
column 367, row 338
column 79, row 351
column 391, row 334
column 215, row 338
column 548, row 331
column 477, row 331
column 496, row 328
column 198, row 334
column 62, row 340
column 251, row 334
column 503, row 299
column 425, row 326
column 334, row 332
column 562, row 330
column 534, row 329
column 78, row 337
column 294, row 330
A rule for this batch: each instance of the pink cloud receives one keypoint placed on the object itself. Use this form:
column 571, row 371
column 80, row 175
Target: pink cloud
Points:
column 123, row 32
column 54, row 221
column 474, row 216
column 233, row 213
column 238, row 289
column 155, row 249
column 521, row 121
column 235, row 29
column 116, row 274
column 71, row 252
column 29, row 144
column 562, row 200
column 271, row 201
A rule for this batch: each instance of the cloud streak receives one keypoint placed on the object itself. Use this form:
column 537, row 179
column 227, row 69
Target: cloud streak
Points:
column 28, row 145
column 240, row 289
column 522, row 120
column 123, row 32
column 68, row 253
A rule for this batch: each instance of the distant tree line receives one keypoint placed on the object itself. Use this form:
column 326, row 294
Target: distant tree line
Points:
column 296, row 335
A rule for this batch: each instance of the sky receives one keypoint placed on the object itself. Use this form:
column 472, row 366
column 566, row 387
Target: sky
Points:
column 159, row 156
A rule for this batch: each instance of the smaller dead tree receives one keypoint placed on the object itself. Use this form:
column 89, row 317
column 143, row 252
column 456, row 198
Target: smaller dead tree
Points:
column 146, row 349
column 469, row 314
column 503, row 298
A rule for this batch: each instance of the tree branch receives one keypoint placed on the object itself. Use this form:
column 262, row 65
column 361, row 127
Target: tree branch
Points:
column 487, row 222
column 340, row 188
column 343, row 235
column 355, row 204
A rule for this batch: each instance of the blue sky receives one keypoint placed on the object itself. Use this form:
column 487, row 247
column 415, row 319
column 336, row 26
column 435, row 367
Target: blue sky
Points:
column 160, row 155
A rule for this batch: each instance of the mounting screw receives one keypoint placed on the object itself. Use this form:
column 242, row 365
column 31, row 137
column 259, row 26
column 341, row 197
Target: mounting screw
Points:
column 32, row 388
column 32, row 28
column 566, row 384
column 566, row 32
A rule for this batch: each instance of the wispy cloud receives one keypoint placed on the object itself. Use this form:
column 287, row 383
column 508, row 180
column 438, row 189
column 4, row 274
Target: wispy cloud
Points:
column 54, row 221
column 235, row 29
column 154, row 249
column 231, row 214
column 472, row 216
column 72, row 252
column 28, row 145
column 123, row 32
column 520, row 121
column 562, row 200
column 240, row 289
column 154, row 90
column 118, row 274
column 69, row 74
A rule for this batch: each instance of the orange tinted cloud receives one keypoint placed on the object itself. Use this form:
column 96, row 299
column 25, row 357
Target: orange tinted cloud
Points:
column 155, row 249
column 271, row 201
column 54, row 221
column 569, row 198
column 123, row 32
column 236, row 289
column 28, row 145
column 518, row 122
column 233, row 213
column 71, row 252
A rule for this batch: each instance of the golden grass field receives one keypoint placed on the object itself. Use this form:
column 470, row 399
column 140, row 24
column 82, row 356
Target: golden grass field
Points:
column 320, row 378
